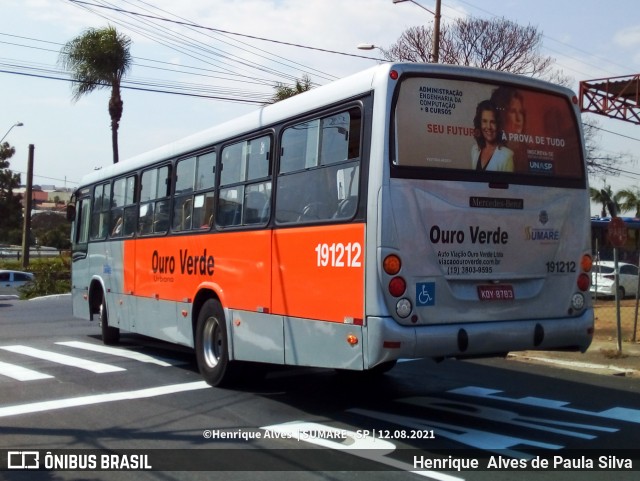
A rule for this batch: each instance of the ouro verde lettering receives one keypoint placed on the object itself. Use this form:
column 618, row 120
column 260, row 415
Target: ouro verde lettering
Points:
column 437, row 235
column 190, row 264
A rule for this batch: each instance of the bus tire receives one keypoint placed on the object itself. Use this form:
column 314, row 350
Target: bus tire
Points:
column 383, row 368
column 110, row 335
column 212, row 344
column 373, row 373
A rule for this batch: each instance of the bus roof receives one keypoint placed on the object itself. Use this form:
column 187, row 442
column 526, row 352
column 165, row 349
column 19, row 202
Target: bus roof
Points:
column 339, row 90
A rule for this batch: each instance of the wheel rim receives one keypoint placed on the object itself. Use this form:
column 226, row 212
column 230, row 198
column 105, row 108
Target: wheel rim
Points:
column 212, row 342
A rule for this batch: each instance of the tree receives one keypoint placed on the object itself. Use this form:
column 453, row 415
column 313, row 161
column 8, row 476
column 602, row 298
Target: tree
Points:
column 599, row 162
column 629, row 199
column 99, row 58
column 602, row 197
column 497, row 44
column 284, row 91
column 10, row 206
column 51, row 229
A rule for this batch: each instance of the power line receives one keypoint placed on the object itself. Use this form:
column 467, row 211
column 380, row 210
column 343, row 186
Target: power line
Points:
column 268, row 55
column 125, row 85
column 137, row 61
column 597, row 58
column 48, row 178
column 186, row 45
column 612, row 132
column 190, row 24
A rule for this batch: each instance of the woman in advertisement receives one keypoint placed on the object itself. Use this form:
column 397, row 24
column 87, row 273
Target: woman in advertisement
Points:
column 510, row 103
column 489, row 152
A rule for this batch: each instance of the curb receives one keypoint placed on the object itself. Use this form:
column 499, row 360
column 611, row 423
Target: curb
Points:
column 596, row 368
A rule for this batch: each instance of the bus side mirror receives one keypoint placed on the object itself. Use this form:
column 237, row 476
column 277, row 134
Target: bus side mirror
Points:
column 71, row 212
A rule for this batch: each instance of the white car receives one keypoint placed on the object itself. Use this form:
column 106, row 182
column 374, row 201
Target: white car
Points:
column 603, row 281
column 11, row 280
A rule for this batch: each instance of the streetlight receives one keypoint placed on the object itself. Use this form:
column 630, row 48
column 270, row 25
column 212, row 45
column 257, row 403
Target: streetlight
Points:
column 17, row 124
column 435, row 56
column 370, row 46
column 367, row 46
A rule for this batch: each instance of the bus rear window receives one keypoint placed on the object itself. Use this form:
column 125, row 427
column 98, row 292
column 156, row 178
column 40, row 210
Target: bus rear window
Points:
column 452, row 124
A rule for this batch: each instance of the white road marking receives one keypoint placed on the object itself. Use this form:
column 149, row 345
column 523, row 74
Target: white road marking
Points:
column 44, row 406
column 363, row 446
column 78, row 362
column 503, row 416
column 476, row 438
column 620, row 413
column 20, row 373
column 115, row 351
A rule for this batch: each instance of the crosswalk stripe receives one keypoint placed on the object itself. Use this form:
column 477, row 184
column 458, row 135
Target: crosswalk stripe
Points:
column 115, row 351
column 78, row 362
column 20, row 373
column 44, row 406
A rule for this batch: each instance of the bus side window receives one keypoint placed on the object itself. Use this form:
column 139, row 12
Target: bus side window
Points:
column 203, row 210
column 100, row 212
column 83, row 221
column 326, row 154
column 245, row 193
column 161, row 221
column 123, row 207
column 145, row 220
column 195, row 182
column 183, row 191
column 153, row 216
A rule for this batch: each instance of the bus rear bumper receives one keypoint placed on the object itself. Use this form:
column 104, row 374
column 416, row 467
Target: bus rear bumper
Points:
column 388, row 340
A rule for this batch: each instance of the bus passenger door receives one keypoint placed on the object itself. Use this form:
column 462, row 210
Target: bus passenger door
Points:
column 80, row 276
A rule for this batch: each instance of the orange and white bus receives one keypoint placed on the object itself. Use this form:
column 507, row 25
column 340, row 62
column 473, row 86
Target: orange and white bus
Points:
column 407, row 211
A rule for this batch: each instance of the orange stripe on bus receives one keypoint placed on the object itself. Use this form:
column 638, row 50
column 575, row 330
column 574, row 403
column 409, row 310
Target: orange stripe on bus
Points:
column 310, row 272
column 318, row 272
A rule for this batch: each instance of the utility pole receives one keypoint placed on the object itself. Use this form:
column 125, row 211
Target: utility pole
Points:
column 435, row 53
column 436, row 34
column 26, row 230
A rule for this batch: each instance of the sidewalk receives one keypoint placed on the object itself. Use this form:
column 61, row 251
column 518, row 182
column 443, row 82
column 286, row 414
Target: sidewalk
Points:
column 602, row 357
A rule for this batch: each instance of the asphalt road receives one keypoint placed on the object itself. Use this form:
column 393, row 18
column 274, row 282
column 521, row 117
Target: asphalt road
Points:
column 61, row 393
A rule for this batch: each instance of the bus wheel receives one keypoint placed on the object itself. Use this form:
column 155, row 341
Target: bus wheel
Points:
column 383, row 368
column 110, row 335
column 373, row 373
column 212, row 347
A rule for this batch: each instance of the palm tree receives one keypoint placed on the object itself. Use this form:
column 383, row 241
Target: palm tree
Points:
column 602, row 197
column 284, row 91
column 99, row 58
column 629, row 199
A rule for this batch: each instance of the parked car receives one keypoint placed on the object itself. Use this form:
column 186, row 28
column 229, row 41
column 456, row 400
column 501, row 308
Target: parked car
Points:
column 11, row 280
column 603, row 279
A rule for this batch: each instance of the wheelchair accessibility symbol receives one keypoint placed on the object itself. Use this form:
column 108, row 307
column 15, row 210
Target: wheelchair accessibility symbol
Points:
column 425, row 294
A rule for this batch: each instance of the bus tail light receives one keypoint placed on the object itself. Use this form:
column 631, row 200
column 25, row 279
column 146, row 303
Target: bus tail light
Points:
column 586, row 263
column 583, row 282
column 577, row 301
column 404, row 307
column 397, row 286
column 392, row 264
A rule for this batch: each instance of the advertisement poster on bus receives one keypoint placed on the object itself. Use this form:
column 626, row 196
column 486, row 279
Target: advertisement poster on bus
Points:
column 452, row 124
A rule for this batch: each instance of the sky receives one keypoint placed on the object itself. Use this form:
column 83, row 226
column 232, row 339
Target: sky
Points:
column 241, row 49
